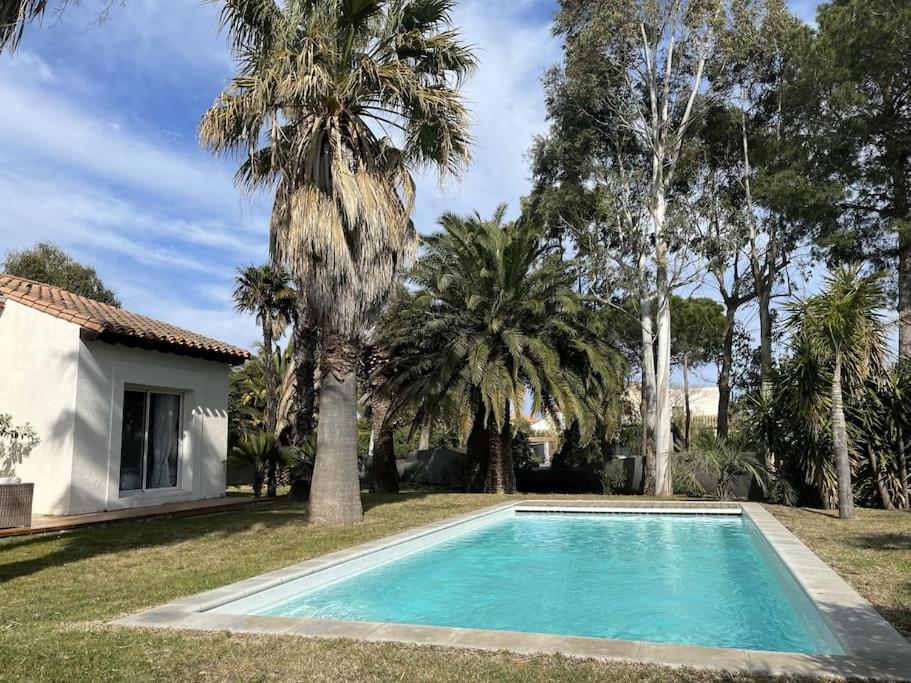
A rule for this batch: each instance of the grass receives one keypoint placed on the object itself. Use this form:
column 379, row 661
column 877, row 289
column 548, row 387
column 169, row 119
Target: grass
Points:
column 57, row 594
column 871, row 552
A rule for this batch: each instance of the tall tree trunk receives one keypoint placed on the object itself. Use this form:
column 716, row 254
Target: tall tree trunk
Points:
column 509, row 468
column 477, row 452
column 762, row 273
column 424, row 441
column 902, row 217
column 648, row 391
column 664, row 443
column 501, row 476
column 765, row 339
column 687, row 415
column 884, row 498
column 270, row 417
column 840, row 444
column 902, row 467
column 385, row 475
column 305, row 341
column 724, row 372
column 335, row 494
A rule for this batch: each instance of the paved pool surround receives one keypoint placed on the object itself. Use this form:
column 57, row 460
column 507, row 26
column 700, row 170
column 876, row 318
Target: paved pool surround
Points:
column 873, row 648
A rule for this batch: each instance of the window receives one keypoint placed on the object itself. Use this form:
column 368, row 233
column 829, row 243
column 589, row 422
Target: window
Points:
column 150, row 443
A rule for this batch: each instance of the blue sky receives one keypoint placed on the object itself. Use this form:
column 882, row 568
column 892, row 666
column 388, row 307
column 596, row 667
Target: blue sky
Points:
column 98, row 147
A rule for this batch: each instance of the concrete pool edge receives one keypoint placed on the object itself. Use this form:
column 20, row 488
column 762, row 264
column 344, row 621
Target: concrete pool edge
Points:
column 874, row 648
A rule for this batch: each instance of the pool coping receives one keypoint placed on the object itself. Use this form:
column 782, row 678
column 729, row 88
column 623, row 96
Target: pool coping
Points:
column 874, row 649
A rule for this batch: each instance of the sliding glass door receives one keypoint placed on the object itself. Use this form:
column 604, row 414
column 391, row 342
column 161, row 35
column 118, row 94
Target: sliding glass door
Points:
column 150, row 442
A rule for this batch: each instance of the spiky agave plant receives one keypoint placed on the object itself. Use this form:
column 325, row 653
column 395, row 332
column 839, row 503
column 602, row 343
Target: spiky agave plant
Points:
column 321, row 89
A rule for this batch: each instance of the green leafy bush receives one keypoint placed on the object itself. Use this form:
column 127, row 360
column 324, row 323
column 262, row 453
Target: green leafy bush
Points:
column 613, row 476
column 720, row 461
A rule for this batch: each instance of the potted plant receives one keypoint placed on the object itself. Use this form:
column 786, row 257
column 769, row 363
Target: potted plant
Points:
column 16, row 443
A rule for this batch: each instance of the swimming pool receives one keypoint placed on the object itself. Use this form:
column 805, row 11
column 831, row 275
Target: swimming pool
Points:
column 706, row 580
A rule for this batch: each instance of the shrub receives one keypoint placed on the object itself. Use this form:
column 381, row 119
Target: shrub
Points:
column 720, row 461
column 524, row 458
column 613, row 476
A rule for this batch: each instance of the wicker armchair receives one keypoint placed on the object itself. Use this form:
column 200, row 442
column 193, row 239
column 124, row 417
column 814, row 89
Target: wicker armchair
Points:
column 16, row 505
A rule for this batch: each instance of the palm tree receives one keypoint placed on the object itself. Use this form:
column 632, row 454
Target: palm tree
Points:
column 14, row 15
column 842, row 326
column 264, row 291
column 260, row 451
column 493, row 317
column 317, row 83
column 384, row 476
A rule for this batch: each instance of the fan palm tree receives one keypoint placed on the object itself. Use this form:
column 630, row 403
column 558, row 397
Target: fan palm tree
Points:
column 264, row 291
column 842, row 326
column 319, row 84
column 14, row 15
column 494, row 317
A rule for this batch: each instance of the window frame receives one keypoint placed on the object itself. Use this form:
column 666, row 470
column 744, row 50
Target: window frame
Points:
column 148, row 391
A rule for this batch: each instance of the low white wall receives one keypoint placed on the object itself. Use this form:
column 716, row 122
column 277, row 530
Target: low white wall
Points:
column 38, row 368
column 104, row 372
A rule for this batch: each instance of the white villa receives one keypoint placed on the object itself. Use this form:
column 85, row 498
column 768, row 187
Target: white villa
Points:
column 130, row 411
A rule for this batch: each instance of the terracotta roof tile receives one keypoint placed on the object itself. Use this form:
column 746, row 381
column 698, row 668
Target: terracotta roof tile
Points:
column 116, row 324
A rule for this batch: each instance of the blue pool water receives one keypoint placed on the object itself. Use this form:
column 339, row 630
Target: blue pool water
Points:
column 700, row 580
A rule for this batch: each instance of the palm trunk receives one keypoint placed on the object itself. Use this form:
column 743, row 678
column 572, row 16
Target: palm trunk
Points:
column 902, row 467
column 840, row 444
column 884, row 498
column 270, row 418
column 501, row 476
column 424, row 441
column 335, row 494
column 902, row 209
column 477, row 452
column 724, row 373
column 305, row 342
column 687, row 416
column 257, row 483
column 385, row 477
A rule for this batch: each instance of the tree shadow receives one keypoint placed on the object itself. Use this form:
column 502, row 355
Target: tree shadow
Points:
column 371, row 501
column 894, row 541
column 82, row 544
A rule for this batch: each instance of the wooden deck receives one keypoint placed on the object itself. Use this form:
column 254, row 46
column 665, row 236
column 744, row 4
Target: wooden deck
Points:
column 43, row 524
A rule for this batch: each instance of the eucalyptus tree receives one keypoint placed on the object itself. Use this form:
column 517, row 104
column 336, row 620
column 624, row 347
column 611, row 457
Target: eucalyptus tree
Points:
column 763, row 145
column 318, row 84
column 842, row 325
column 630, row 86
column 493, row 317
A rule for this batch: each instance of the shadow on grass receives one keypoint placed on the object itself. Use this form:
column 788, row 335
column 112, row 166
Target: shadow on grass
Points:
column 369, row 501
column 56, row 550
column 883, row 541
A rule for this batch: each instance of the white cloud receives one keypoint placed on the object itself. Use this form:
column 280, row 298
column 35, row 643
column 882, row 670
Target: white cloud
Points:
column 41, row 127
column 507, row 104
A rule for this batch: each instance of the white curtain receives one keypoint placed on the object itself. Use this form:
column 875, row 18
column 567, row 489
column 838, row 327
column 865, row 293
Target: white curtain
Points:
column 163, row 437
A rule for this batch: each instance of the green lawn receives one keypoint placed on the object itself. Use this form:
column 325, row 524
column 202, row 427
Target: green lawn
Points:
column 58, row 592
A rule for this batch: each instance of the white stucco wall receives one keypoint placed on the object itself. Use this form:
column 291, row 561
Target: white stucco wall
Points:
column 38, row 370
column 105, row 370
column 71, row 391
